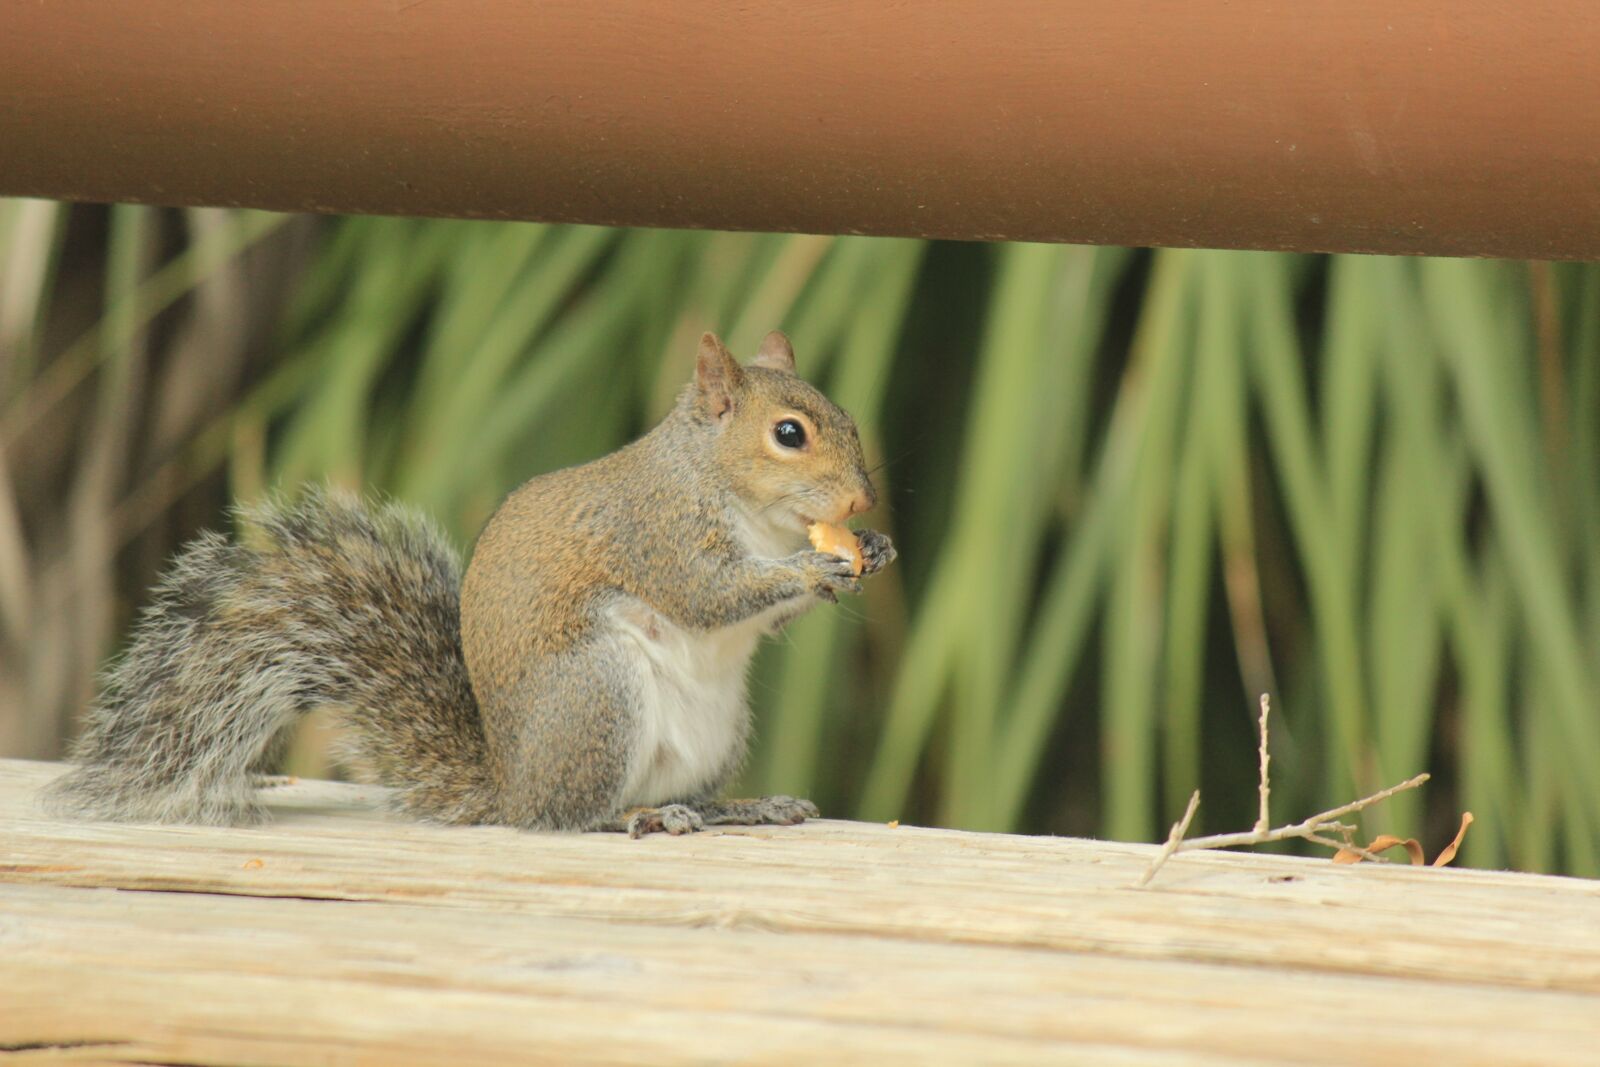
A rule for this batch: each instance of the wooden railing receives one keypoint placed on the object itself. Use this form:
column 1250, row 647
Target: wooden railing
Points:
column 1467, row 127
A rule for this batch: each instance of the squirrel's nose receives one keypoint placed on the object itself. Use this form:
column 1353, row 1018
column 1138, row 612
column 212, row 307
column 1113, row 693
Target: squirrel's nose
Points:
column 863, row 501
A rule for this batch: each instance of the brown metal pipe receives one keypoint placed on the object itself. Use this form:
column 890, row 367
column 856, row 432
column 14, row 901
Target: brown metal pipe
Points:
column 1456, row 127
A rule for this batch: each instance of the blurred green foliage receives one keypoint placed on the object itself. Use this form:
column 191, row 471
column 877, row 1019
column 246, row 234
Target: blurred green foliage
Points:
column 1131, row 489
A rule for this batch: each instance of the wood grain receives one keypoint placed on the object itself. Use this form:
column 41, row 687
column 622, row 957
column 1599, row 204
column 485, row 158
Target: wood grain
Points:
column 339, row 935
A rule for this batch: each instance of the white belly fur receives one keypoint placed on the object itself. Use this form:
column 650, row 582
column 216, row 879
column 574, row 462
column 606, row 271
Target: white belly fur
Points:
column 694, row 720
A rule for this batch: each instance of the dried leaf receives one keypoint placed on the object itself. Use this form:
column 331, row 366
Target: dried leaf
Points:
column 1380, row 844
column 1449, row 852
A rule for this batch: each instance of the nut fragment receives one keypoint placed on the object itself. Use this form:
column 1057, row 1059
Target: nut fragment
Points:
column 836, row 541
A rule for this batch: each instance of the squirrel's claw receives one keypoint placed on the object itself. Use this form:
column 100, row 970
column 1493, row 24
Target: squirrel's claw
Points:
column 845, row 583
column 829, row 575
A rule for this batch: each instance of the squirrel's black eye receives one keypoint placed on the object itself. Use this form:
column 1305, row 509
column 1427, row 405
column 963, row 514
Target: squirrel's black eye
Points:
column 789, row 434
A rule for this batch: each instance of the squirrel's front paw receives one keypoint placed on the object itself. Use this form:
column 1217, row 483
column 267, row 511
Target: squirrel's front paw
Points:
column 674, row 819
column 828, row 575
column 877, row 551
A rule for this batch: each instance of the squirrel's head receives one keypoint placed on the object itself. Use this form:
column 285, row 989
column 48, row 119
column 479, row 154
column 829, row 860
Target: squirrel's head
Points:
column 788, row 451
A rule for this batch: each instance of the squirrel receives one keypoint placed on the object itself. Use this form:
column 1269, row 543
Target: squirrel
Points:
column 586, row 673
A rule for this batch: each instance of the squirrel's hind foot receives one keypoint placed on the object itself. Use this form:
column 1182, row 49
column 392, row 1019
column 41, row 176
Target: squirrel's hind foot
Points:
column 686, row 819
column 673, row 819
column 759, row 811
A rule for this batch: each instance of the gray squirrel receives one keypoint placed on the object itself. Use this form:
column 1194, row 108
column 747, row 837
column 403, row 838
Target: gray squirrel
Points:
column 587, row 673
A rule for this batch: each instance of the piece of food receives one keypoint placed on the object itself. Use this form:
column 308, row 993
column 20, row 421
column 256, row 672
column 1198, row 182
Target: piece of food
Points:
column 836, row 541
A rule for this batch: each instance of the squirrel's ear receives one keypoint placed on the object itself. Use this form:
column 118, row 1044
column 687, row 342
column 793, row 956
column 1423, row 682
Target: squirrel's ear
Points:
column 717, row 374
column 776, row 353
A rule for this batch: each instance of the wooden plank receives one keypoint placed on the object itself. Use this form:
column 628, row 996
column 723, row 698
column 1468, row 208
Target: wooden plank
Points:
column 340, row 935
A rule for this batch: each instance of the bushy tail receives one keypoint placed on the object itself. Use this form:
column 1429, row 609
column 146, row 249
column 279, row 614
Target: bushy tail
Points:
column 328, row 602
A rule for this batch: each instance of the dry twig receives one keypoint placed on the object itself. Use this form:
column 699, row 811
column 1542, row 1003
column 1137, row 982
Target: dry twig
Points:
column 1264, row 790
column 1174, row 839
column 1314, row 829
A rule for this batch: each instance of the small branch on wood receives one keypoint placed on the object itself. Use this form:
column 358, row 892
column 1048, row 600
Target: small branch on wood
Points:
column 1314, row 829
column 1346, row 846
column 1174, row 839
column 1264, row 790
